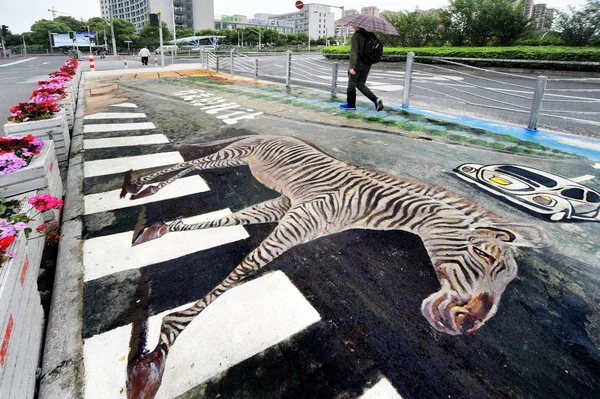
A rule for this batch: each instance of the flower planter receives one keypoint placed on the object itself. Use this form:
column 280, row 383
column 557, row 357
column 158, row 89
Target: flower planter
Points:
column 55, row 129
column 21, row 316
column 42, row 173
column 68, row 106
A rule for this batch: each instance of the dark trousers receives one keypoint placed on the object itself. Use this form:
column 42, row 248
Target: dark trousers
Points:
column 357, row 81
column 144, row 60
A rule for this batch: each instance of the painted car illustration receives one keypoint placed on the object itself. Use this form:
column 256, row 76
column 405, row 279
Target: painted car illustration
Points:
column 539, row 191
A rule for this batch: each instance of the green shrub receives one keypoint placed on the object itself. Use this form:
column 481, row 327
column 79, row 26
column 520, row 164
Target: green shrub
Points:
column 546, row 53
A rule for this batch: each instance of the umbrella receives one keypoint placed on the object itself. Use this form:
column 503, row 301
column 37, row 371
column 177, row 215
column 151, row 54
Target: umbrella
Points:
column 369, row 22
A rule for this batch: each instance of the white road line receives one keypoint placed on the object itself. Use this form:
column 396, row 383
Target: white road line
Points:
column 240, row 324
column 117, row 127
column 583, row 178
column 89, row 144
column 18, row 62
column 117, row 165
column 388, row 87
column 382, row 390
column 125, row 105
column 596, row 165
column 120, row 256
column 115, row 115
column 44, row 63
column 110, row 200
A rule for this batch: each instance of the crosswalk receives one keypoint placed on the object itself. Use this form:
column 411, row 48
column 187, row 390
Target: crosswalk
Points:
column 241, row 324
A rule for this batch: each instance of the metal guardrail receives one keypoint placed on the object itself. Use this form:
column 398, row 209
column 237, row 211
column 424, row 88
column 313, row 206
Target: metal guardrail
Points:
column 522, row 95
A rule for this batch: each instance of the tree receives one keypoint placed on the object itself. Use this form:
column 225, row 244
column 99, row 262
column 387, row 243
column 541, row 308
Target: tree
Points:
column 508, row 22
column 149, row 37
column 181, row 33
column 207, row 32
column 73, row 24
column 577, row 26
column 415, row 29
column 39, row 30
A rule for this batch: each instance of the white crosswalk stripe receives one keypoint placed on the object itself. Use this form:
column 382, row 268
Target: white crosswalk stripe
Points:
column 115, row 115
column 120, row 165
column 125, row 105
column 382, row 390
column 113, row 253
column 114, row 127
column 241, row 323
column 89, row 144
column 108, row 201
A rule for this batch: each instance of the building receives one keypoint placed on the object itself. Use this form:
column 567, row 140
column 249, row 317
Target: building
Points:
column 260, row 21
column 186, row 14
column 374, row 11
column 315, row 20
column 345, row 13
column 543, row 17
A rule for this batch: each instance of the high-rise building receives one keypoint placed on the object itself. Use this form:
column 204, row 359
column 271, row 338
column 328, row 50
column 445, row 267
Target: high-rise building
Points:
column 188, row 14
column 543, row 17
column 374, row 11
column 314, row 19
column 345, row 13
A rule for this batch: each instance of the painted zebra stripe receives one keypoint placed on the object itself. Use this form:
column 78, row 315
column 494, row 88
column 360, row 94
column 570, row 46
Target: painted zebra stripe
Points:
column 115, row 115
column 90, row 144
column 108, row 201
column 125, row 105
column 114, row 127
column 119, row 165
column 243, row 322
column 382, row 390
column 99, row 262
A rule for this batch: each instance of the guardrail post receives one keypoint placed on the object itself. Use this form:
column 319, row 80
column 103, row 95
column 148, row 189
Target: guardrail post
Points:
column 334, row 76
column 288, row 70
column 407, row 79
column 217, row 58
column 231, row 59
column 536, row 104
column 256, row 68
column 201, row 56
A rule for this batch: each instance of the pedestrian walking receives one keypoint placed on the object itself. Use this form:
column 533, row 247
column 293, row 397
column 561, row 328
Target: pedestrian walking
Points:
column 358, row 72
column 144, row 54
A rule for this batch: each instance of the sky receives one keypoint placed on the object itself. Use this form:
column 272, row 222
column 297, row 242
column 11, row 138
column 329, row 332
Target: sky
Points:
column 19, row 18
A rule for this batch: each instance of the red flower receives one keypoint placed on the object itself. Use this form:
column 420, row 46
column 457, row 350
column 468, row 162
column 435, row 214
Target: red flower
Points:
column 5, row 242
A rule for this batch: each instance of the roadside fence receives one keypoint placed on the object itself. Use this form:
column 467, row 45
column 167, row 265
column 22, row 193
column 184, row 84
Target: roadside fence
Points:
column 528, row 97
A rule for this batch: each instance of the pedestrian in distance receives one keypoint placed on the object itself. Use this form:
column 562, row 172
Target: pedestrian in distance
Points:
column 358, row 71
column 144, row 54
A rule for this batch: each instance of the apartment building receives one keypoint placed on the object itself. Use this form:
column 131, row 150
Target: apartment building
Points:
column 543, row 17
column 374, row 11
column 183, row 14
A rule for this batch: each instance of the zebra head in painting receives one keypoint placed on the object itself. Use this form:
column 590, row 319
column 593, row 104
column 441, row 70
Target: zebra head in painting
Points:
column 474, row 267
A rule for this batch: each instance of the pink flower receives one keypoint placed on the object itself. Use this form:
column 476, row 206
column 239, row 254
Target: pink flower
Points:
column 44, row 202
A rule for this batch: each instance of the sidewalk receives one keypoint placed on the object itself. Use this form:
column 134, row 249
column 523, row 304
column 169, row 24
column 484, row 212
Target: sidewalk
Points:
column 333, row 332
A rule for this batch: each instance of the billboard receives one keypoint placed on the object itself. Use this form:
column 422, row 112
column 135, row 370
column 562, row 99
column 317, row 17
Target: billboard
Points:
column 63, row 39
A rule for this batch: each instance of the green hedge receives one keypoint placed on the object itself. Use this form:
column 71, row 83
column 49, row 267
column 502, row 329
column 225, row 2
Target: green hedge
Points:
column 548, row 53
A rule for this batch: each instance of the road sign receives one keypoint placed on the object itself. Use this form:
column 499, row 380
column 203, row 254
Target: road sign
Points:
column 128, row 41
column 299, row 5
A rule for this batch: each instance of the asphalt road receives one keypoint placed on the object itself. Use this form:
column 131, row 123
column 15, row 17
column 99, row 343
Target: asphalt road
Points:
column 571, row 104
column 19, row 77
column 366, row 286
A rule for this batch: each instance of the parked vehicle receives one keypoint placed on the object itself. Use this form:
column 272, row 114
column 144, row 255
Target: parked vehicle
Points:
column 541, row 192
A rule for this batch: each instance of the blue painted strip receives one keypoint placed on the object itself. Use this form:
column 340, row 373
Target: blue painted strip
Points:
column 583, row 146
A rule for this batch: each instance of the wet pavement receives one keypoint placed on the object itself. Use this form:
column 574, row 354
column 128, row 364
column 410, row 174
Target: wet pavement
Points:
column 336, row 317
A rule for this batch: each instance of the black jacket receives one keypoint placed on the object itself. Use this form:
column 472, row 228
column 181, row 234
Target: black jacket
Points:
column 356, row 45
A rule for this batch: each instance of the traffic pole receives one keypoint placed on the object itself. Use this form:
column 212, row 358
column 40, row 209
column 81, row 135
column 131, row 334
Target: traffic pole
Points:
column 125, row 61
column 155, row 60
column 91, row 63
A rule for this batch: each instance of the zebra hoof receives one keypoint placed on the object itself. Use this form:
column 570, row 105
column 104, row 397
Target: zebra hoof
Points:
column 129, row 186
column 144, row 374
column 153, row 232
column 148, row 191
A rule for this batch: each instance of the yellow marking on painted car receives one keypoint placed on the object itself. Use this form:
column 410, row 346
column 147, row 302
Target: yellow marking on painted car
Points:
column 500, row 181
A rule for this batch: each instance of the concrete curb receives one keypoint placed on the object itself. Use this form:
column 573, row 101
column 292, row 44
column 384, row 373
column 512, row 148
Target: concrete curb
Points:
column 62, row 362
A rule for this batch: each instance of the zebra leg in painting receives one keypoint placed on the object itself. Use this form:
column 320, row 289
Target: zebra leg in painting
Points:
column 145, row 370
column 235, row 154
column 265, row 212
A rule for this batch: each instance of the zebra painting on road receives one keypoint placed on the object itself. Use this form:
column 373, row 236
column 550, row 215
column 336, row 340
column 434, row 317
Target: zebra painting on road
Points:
column 472, row 250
